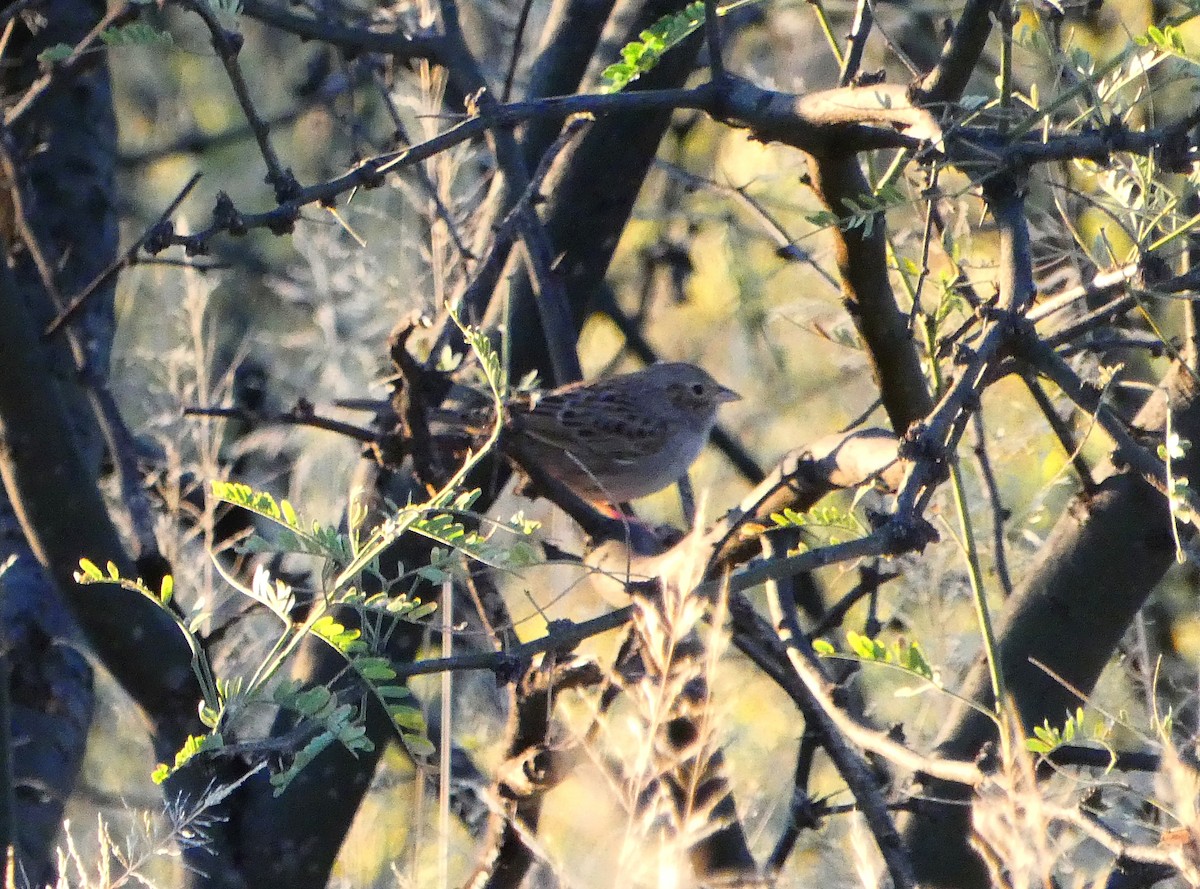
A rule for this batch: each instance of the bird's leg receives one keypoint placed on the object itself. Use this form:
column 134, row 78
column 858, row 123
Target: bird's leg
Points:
column 687, row 500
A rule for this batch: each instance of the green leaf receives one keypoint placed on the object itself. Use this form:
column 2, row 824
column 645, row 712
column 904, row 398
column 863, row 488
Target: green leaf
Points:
column 432, row 574
column 60, row 52
column 912, row 658
column 789, row 518
column 408, row 719
column 209, row 716
column 418, row 745
column 194, row 745
column 399, row 692
column 310, row 752
column 136, row 34
column 374, row 668
column 417, row 610
column 866, row 647
column 640, row 57
column 334, row 633
column 308, row 702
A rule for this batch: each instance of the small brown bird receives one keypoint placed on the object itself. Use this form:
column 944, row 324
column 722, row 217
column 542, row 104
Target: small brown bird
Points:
column 622, row 437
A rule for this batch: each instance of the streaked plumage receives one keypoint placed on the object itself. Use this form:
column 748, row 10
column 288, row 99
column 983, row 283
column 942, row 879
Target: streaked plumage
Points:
column 622, row 437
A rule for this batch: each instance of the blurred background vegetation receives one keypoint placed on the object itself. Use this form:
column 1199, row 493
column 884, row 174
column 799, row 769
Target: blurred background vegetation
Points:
column 278, row 319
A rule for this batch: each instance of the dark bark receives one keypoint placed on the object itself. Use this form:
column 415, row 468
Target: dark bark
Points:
column 1105, row 556
column 70, row 182
column 596, row 179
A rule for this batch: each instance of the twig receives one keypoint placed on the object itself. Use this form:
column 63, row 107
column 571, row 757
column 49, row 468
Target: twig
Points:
column 712, row 37
column 1111, row 284
column 931, row 215
column 785, row 245
column 554, row 310
column 806, row 122
column 392, row 41
column 960, row 55
column 891, row 540
column 802, row 678
column 1050, row 364
column 864, row 18
column 123, row 451
column 853, row 769
column 490, row 607
column 1065, row 434
column 518, row 223
column 24, row 228
column 197, row 141
column 563, row 637
column 227, row 46
column 800, row 479
column 871, row 579
column 127, row 258
column 512, row 851
column 63, row 71
column 1191, row 258
column 1104, row 285
column 300, row 415
column 515, row 56
column 13, row 10
column 1173, row 856
column 427, row 184
column 999, row 512
column 803, row 812
column 894, row 46
column 1103, row 758
column 818, row 8
column 940, row 431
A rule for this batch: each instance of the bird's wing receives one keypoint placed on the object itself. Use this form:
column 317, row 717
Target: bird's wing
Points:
column 607, row 425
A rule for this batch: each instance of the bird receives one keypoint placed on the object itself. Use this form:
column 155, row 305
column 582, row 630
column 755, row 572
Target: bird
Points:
column 618, row 438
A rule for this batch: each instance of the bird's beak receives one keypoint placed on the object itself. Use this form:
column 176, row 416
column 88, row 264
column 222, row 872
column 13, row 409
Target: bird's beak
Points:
column 724, row 395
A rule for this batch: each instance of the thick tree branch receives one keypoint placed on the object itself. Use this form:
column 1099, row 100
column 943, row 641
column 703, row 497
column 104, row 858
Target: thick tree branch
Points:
column 65, row 520
column 960, row 56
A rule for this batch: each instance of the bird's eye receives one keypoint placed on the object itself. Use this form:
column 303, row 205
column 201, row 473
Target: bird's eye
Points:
column 697, row 389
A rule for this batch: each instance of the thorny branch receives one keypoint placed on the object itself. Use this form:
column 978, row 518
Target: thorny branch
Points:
column 831, row 125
